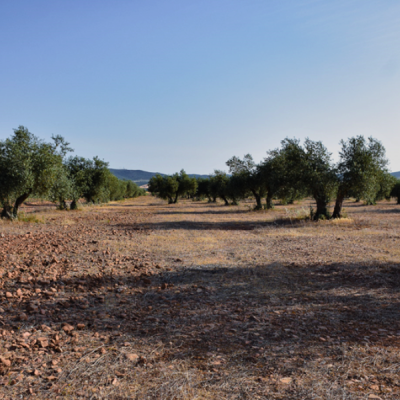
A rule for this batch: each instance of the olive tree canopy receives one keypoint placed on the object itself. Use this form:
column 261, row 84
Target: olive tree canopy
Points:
column 28, row 166
column 360, row 170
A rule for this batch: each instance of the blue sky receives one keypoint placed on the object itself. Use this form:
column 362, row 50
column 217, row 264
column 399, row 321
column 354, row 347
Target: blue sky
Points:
column 165, row 85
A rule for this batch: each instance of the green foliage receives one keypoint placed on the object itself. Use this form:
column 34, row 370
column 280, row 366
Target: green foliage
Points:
column 164, row 187
column 61, row 190
column 275, row 174
column 172, row 187
column 395, row 192
column 219, row 186
column 203, row 189
column 386, row 183
column 237, row 189
column 132, row 190
column 28, row 167
column 118, row 189
column 90, row 179
column 361, row 171
column 301, row 170
column 187, row 186
column 246, row 178
column 319, row 176
column 289, row 195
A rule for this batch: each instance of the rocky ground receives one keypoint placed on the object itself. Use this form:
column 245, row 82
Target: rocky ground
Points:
column 141, row 300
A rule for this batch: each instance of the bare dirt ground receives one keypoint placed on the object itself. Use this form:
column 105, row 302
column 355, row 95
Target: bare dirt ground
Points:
column 143, row 300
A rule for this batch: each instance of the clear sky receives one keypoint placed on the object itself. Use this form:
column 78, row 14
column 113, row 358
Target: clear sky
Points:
column 165, row 85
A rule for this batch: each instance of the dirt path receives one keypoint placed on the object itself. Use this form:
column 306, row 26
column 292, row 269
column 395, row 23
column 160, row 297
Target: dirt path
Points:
column 140, row 300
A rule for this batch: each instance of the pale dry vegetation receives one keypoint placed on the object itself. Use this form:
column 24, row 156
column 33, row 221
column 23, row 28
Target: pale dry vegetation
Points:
column 143, row 300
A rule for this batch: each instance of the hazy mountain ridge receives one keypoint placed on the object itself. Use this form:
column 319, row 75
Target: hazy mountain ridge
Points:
column 396, row 174
column 142, row 177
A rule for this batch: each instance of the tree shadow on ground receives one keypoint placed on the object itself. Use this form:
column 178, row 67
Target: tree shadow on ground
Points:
column 220, row 225
column 206, row 309
column 224, row 211
column 390, row 211
column 260, row 319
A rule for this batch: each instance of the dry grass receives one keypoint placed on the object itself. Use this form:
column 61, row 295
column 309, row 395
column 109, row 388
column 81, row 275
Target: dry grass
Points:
column 201, row 301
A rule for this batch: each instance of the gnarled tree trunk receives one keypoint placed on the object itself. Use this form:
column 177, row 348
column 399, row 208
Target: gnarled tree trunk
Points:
column 269, row 203
column 6, row 212
column 322, row 209
column 19, row 201
column 337, row 211
column 258, row 200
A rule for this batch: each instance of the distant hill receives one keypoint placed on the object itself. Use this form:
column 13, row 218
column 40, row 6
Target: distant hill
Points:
column 396, row 174
column 141, row 177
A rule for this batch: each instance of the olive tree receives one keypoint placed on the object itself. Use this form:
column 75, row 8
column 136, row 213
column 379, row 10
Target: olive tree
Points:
column 28, row 166
column 89, row 179
column 132, row 190
column 164, row 187
column 219, row 182
column 203, row 189
column 172, row 187
column 319, row 176
column 386, row 182
column 273, row 172
column 308, row 168
column 246, row 177
column 187, row 186
column 359, row 170
column 62, row 189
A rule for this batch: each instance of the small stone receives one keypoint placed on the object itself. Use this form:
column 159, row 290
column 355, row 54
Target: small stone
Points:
column 37, row 290
column 5, row 362
column 45, row 328
column 22, row 317
column 80, row 326
column 9, row 295
column 67, row 328
column 19, row 292
column 132, row 357
column 31, row 308
column 285, row 381
column 43, row 342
